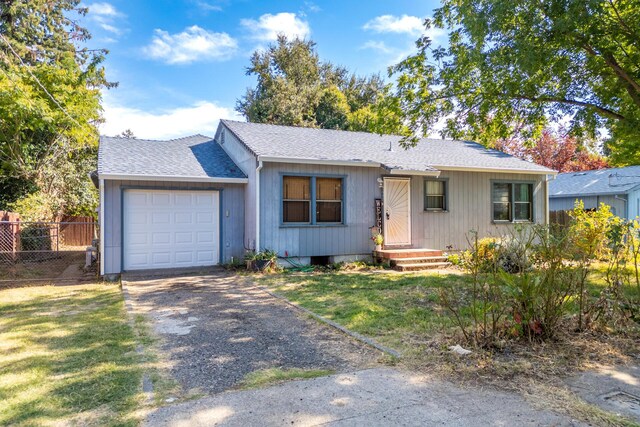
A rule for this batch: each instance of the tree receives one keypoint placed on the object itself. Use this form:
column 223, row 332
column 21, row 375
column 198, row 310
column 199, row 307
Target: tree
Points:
column 49, row 94
column 511, row 69
column 294, row 87
column 558, row 152
column 127, row 133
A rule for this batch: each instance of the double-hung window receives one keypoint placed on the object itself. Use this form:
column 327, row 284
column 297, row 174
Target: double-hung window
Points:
column 512, row 202
column 435, row 195
column 312, row 200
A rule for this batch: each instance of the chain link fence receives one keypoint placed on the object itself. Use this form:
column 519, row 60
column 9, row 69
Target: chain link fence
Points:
column 54, row 251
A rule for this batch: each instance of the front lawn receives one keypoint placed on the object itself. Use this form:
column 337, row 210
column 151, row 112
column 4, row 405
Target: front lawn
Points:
column 396, row 309
column 67, row 356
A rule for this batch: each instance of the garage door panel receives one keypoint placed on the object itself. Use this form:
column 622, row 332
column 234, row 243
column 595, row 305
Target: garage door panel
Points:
column 183, row 218
column 165, row 229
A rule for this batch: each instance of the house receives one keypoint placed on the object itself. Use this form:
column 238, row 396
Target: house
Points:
column 619, row 188
column 312, row 195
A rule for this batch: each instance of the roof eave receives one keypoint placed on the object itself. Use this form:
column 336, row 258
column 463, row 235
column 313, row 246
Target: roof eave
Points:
column 173, row 178
column 362, row 163
column 496, row 170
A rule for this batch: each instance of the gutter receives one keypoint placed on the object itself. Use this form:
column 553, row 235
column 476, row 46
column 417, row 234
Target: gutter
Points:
column 258, row 169
column 362, row 163
column 174, row 178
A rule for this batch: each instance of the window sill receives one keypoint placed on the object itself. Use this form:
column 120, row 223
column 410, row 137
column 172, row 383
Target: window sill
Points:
column 435, row 211
column 512, row 222
column 329, row 225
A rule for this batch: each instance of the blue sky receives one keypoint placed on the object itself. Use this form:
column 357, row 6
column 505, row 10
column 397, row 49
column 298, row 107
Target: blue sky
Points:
column 181, row 64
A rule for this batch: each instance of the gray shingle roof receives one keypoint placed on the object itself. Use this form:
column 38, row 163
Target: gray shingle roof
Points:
column 196, row 156
column 334, row 145
column 598, row 182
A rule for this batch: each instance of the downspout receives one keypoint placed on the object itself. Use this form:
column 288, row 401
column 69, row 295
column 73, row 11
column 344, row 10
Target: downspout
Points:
column 258, row 169
column 546, row 198
column 101, row 224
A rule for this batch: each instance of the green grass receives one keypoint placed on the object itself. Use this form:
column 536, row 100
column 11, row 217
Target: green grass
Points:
column 67, row 356
column 265, row 377
column 391, row 308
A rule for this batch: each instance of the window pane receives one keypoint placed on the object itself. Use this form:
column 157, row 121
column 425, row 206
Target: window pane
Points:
column 501, row 192
column 295, row 211
column 502, row 211
column 328, row 189
column 328, row 212
column 296, row 188
column 523, row 211
column 435, row 202
column 523, row 192
column 435, row 188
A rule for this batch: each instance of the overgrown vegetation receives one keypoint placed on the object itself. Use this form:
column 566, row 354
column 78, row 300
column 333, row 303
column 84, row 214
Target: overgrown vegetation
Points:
column 533, row 283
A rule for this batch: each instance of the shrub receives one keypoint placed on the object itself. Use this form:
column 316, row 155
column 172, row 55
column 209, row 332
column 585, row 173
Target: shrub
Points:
column 35, row 237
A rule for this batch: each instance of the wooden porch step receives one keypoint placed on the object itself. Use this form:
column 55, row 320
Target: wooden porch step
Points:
column 407, row 253
column 417, row 260
column 421, row 266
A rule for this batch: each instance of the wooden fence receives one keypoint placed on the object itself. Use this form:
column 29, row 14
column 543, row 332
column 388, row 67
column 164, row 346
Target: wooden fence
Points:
column 559, row 217
column 77, row 230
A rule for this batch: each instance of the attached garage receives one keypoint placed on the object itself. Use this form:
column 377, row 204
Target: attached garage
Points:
column 168, row 204
column 170, row 229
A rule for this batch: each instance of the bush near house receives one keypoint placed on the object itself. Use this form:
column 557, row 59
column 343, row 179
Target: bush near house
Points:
column 533, row 283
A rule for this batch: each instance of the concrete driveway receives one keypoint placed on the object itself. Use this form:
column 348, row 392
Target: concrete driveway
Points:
column 216, row 328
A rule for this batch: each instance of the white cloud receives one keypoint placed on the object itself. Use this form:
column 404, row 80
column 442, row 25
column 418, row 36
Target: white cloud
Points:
column 206, row 6
column 404, row 24
column 201, row 117
column 107, row 17
column 193, row 44
column 268, row 26
column 103, row 9
column 380, row 46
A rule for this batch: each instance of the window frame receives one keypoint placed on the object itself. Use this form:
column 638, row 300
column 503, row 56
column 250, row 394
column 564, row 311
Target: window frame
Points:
column 445, row 181
column 512, row 202
column 312, row 202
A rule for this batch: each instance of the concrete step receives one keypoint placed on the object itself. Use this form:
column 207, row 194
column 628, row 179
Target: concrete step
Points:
column 417, row 260
column 421, row 266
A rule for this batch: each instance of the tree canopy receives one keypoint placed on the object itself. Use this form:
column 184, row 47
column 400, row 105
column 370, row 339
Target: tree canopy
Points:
column 294, row 87
column 556, row 151
column 49, row 98
column 511, row 69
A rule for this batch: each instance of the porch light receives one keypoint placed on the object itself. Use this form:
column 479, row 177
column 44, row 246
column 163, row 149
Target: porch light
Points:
column 380, row 182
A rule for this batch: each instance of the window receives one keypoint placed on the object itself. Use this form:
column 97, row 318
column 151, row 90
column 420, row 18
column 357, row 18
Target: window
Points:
column 512, row 202
column 328, row 200
column 312, row 200
column 435, row 195
column 296, row 199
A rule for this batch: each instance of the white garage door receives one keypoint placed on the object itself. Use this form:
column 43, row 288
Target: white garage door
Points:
column 168, row 229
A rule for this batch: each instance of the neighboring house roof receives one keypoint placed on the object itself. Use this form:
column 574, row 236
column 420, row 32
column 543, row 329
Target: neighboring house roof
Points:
column 281, row 143
column 194, row 158
column 596, row 182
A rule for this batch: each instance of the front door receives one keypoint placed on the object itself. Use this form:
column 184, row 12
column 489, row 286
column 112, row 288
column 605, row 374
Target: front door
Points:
column 397, row 211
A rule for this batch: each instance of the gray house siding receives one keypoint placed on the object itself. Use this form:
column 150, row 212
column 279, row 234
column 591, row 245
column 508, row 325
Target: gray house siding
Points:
column 633, row 211
column 616, row 202
column 361, row 189
column 232, row 226
column 247, row 162
column 469, row 207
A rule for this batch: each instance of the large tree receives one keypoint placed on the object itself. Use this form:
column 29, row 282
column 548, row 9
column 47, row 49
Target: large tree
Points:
column 49, row 99
column 511, row 68
column 294, row 87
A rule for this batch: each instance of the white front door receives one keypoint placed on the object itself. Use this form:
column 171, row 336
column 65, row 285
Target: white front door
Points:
column 170, row 228
column 397, row 211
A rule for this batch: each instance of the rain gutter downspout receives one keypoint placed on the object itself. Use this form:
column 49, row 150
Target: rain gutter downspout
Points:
column 258, row 169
